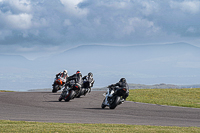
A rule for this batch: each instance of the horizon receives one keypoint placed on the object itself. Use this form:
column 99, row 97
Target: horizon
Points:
column 95, row 45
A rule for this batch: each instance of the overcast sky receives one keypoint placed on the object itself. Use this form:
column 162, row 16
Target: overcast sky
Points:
column 33, row 27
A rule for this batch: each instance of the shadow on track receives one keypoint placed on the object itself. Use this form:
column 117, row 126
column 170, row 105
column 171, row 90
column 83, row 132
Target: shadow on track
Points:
column 55, row 101
column 97, row 108
column 54, row 94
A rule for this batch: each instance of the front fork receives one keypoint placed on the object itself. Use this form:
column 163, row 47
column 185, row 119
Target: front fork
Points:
column 108, row 95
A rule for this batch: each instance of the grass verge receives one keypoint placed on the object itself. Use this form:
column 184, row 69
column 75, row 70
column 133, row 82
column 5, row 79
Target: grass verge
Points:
column 173, row 97
column 22, row 126
column 5, row 91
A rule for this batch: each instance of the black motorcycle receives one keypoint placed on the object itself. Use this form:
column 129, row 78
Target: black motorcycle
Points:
column 70, row 91
column 86, row 88
column 114, row 97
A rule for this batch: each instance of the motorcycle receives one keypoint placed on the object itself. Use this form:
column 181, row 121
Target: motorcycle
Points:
column 113, row 97
column 86, row 88
column 70, row 92
column 58, row 84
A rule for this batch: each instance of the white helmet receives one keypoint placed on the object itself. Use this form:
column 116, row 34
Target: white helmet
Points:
column 65, row 71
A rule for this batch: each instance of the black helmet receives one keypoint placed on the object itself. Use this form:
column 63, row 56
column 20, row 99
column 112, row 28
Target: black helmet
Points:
column 123, row 80
column 78, row 73
column 90, row 74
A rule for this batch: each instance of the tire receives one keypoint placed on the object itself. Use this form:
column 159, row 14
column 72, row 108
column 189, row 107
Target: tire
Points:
column 85, row 91
column 60, row 98
column 78, row 96
column 102, row 105
column 55, row 89
column 80, row 93
column 115, row 103
column 70, row 95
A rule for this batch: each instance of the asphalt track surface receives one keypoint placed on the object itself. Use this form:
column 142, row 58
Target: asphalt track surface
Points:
column 45, row 107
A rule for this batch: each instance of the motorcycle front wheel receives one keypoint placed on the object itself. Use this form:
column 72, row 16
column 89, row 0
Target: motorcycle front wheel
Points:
column 103, row 105
column 55, row 88
column 60, row 98
column 70, row 95
column 116, row 102
column 82, row 92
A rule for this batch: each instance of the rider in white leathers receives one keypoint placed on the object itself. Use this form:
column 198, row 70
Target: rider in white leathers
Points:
column 63, row 75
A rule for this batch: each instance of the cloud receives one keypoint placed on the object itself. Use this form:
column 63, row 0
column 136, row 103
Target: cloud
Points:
column 71, row 7
column 20, row 21
column 67, row 22
column 191, row 30
column 16, row 6
column 76, row 22
column 138, row 25
column 190, row 6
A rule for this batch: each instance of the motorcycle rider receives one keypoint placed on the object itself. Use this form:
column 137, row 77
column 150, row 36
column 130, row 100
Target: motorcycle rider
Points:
column 121, row 84
column 63, row 75
column 89, row 81
column 77, row 78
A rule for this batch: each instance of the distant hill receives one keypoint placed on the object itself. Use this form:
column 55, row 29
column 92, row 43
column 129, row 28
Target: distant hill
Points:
column 156, row 86
column 175, row 63
column 13, row 61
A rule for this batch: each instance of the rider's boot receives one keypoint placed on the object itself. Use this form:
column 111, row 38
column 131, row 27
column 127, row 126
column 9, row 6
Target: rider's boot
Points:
column 122, row 100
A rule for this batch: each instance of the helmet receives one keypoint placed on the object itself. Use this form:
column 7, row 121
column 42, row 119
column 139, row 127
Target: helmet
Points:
column 123, row 80
column 90, row 74
column 78, row 72
column 65, row 71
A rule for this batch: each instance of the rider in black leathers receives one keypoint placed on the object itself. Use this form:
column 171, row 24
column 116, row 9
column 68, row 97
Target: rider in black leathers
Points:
column 123, row 84
column 77, row 78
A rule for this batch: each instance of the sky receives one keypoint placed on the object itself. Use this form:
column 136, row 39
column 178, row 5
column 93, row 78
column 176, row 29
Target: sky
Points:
column 35, row 28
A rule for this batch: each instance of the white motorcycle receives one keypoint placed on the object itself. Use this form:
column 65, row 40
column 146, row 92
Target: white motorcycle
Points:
column 113, row 97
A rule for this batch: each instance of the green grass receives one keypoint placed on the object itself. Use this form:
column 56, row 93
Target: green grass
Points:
column 5, row 91
column 173, row 97
column 39, row 127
